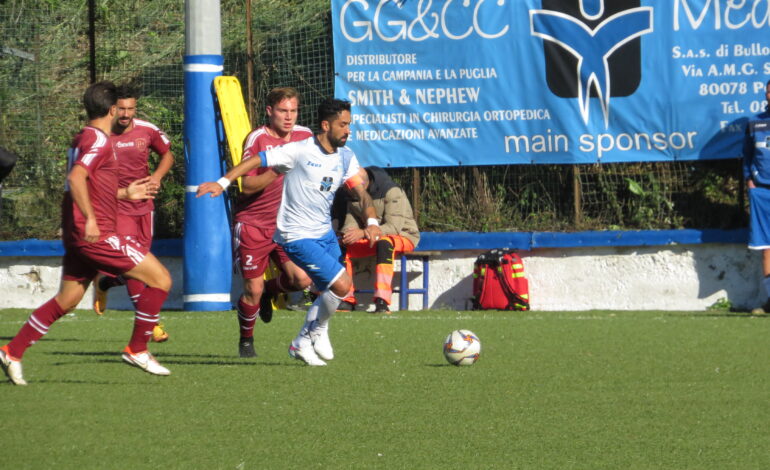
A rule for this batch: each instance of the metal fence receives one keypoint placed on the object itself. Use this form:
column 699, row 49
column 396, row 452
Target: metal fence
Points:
column 46, row 61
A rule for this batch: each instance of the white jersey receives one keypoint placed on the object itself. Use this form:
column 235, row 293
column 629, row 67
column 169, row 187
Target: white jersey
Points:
column 312, row 176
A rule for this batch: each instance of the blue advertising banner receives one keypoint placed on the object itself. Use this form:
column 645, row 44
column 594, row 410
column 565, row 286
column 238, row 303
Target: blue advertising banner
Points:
column 488, row 82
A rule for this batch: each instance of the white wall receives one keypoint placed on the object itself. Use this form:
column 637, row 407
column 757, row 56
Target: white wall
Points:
column 691, row 277
column 677, row 277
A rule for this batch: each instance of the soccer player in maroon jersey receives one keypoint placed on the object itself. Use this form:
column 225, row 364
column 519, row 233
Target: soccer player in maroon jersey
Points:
column 133, row 140
column 255, row 219
column 91, row 244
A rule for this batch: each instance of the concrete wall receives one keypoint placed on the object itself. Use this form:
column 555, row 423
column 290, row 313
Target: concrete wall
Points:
column 675, row 277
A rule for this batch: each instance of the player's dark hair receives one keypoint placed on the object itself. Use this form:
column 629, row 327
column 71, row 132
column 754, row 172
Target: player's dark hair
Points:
column 99, row 98
column 330, row 108
column 126, row 91
column 277, row 95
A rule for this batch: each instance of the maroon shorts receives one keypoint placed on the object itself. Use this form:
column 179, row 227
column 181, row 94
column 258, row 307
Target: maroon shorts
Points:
column 138, row 227
column 113, row 256
column 254, row 247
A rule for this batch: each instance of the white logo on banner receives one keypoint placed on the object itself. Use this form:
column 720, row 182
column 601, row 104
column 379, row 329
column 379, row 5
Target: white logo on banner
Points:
column 591, row 47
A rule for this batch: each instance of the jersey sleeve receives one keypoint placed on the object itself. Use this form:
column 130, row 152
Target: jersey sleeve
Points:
column 251, row 148
column 159, row 142
column 250, row 145
column 281, row 159
column 254, row 171
column 351, row 177
column 88, row 151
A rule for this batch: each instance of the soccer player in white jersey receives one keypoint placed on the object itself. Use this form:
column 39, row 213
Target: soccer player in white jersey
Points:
column 313, row 170
column 255, row 213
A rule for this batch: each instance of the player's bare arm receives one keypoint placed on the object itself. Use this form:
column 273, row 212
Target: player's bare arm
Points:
column 164, row 166
column 78, row 183
column 257, row 183
column 215, row 188
column 372, row 230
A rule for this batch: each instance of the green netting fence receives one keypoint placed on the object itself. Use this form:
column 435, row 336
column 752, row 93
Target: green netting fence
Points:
column 45, row 64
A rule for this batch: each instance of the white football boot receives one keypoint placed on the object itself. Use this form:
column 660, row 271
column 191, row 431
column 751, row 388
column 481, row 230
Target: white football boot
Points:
column 319, row 336
column 12, row 369
column 302, row 349
column 145, row 361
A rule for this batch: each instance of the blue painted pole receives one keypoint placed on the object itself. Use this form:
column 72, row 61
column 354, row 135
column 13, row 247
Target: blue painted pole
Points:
column 207, row 243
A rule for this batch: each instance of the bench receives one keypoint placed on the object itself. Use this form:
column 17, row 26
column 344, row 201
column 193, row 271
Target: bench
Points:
column 403, row 290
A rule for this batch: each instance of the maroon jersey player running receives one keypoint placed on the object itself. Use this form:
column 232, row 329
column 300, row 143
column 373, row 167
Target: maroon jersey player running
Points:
column 255, row 219
column 91, row 244
column 133, row 140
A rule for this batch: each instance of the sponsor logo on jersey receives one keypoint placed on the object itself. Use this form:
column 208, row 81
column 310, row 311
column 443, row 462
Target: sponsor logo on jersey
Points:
column 326, row 183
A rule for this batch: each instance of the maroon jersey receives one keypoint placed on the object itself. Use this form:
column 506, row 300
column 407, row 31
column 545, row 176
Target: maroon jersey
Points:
column 261, row 209
column 91, row 148
column 133, row 150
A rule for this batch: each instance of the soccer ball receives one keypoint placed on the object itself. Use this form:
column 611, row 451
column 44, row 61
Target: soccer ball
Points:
column 462, row 348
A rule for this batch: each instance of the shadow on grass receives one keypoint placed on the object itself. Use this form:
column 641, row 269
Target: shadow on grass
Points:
column 83, row 382
column 179, row 359
column 65, row 340
column 231, row 362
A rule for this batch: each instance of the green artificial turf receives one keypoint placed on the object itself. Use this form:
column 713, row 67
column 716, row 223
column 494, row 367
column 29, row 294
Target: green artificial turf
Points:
column 580, row 390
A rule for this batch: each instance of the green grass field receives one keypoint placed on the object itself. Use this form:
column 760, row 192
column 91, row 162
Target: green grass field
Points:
column 551, row 390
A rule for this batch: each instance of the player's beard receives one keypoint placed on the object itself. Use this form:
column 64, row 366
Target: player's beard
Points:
column 122, row 127
column 337, row 143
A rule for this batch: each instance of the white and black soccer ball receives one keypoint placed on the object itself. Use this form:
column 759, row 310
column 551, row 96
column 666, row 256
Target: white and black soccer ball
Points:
column 462, row 348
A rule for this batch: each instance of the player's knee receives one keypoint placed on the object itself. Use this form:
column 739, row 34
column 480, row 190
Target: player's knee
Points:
column 252, row 291
column 163, row 279
column 251, row 299
column 341, row 286
column 340, row 291
column 166, row 284
column 68, row 302
column 300, row 282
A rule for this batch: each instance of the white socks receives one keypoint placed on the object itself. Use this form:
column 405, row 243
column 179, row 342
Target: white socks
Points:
column 328, row 303
column 320, row 312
